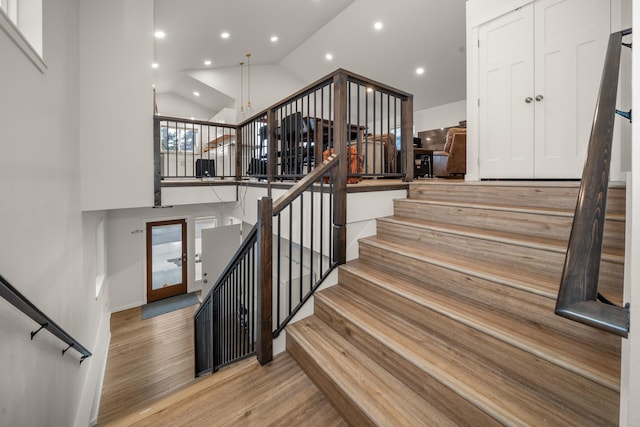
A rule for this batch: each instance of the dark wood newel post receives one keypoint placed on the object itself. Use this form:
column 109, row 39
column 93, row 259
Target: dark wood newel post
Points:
column 264, row 335
column 340, row 173
column 272, row 148
column 157, row 189
column 407, row 138
column 239, row 152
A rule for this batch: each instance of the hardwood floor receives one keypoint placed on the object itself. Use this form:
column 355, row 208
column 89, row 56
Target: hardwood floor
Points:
column 149, row 381
column 147, row 359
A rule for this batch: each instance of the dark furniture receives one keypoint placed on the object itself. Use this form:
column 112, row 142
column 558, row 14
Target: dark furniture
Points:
column 205, row 168
column 423, row 163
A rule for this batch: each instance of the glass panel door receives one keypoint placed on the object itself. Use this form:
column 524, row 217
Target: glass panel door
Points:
column 166, row 259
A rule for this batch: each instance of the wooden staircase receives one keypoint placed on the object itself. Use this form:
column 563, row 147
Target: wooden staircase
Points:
column 447, row 317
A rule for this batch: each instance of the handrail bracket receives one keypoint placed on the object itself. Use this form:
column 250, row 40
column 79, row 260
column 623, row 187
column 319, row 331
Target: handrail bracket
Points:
column 34, row 333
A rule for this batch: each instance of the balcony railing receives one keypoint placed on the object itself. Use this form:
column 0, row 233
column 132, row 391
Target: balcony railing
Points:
column 289, row 139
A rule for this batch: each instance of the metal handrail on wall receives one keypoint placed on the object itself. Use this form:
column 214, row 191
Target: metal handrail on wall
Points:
column 578, row 297
column 19, row 301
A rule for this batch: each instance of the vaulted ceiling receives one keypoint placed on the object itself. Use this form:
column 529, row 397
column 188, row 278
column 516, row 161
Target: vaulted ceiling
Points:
column 414, row 33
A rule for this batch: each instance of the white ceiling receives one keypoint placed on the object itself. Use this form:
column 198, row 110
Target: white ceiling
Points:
column 415, row 33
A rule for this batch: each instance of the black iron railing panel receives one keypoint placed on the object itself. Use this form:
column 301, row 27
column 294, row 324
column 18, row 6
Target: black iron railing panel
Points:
column 19, row 301
column 289, row 139
column 578, row 297
column 203, row 328
column 303, row 253
column 225, row 322
column 195, row 149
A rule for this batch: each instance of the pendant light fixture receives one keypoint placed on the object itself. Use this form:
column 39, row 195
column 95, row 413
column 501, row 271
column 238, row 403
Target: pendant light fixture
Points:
column 241, row 88
column 248, row 55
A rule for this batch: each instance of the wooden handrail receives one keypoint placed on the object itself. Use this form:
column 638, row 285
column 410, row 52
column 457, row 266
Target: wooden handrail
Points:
column 19, row 301
column 578, row 294
column 267, row 210
column 304, row 184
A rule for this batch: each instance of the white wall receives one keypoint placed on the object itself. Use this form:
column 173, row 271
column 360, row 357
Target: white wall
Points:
column 269, row 84
column 116, row 103
column 173, row 105
column 126, row 244
column 441, row 116
column 630, row 384
column 48, row 244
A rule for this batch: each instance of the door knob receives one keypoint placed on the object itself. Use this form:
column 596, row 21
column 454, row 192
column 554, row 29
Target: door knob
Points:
column 539, row 97
column 528, row 99
column 205, row 281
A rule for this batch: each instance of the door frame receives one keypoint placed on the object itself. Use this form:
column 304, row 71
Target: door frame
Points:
column 154, row 295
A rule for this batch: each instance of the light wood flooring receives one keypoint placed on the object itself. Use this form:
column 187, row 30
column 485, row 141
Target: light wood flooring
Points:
column 147, row 359
column 149, row 381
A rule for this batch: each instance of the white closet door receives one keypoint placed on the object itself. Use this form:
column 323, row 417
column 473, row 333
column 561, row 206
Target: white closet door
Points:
column 570, row 45
column 506, row 105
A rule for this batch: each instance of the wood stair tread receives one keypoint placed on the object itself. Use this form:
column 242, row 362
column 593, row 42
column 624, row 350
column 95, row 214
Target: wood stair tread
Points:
column 543, row 282
column 584, row 360
column 615, row 255
column 381, row 397
column 540, row 285
column 468, row 375
column 613, row 216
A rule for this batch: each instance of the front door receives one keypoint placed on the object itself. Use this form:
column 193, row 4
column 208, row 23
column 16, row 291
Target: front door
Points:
column 166, row 259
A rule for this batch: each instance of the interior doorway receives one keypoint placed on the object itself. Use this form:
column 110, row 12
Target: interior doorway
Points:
column 166, row 259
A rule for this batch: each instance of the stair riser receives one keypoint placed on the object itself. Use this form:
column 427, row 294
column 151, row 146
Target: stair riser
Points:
column 532, row 372
column 513, row 195
column 424, row 385
column 534, row 261
column 530, row 223
column 338, row 397
column 522, row 306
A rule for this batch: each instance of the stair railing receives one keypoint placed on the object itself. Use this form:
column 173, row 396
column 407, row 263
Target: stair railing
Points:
column 578, row 296
column 19, row 301
column 299, row 248
column 224, row 324
column 364, row 128
column 234, row 320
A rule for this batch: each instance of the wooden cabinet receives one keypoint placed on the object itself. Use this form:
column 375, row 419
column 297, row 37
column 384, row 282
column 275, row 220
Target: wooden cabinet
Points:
column 539, row 70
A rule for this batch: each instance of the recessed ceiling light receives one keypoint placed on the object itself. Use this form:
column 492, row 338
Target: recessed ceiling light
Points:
column 207, row 62
column 196, row 93
column 224, row 35
column 419, row 71
column 329, row 56
column 378, row 25
column 192, row 118
column 369, row 89
column 159, row 34
column 274, row 39
column 154, row 65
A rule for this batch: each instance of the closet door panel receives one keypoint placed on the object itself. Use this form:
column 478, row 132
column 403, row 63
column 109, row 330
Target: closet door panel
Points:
column 570, row 45
column 506, row 81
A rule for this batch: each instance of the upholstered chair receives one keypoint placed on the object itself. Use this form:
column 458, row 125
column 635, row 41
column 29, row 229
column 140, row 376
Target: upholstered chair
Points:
column 452, row 161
